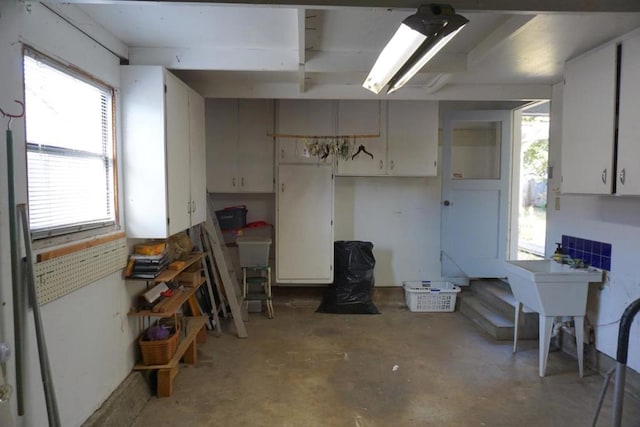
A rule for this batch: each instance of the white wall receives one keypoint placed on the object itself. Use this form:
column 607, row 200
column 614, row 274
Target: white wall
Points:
column 89, row 336
column 610, row 219
column 400, row 216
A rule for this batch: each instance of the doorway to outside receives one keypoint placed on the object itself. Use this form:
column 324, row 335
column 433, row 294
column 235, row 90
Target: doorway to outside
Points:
column 532, row 203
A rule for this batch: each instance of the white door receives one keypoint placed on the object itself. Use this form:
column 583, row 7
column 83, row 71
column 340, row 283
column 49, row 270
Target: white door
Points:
column 304, row 224
column 628, row 172
column 198, row 164
column 255, row 147
column 356, row 117
column 588, row 122
column 222, row 145
column 412, row 138
column 178, row 176
column 475, row 193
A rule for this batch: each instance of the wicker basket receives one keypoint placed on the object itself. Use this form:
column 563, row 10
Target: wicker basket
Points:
column 158, row 352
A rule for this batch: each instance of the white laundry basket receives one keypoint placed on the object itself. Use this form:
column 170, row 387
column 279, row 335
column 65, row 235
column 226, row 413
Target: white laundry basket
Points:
column 427, row 295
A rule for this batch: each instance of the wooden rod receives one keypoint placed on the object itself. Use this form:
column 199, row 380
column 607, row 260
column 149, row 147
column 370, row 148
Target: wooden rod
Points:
column 288, row 135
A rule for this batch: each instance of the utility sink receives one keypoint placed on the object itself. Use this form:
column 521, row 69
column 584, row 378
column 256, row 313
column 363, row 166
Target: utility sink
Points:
column 551, row 289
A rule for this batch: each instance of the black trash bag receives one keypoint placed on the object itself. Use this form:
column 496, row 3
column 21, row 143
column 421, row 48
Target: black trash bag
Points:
column 353, row 280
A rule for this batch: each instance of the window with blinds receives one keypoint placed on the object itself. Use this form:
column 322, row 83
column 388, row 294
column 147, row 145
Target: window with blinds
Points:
column 70, row 147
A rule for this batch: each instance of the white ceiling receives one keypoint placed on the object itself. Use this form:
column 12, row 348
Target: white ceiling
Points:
column 281, row 51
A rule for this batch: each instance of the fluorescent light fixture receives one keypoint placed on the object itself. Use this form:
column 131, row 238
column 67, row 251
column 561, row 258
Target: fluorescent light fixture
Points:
column 420, row 37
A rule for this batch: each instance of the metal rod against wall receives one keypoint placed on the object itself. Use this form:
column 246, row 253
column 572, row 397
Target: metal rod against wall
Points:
column 16, row 278
column 45, row 369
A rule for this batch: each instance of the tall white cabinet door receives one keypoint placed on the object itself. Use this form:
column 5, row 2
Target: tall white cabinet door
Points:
column 255, row 148
column 222, row 145
column 198, row 161
column 363, row 118
column 588, row 122
column 412, row 142
column 178, row 175
column 304, row 224
column 144, row 154
column 628, row 171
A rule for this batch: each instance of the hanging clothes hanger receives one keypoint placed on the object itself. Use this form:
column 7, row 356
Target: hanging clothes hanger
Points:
column 362, row 149
column 12, row 116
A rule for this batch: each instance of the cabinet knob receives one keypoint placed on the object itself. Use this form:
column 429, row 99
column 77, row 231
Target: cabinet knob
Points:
column 446, row 203
column 622, row 176
column 282, row 187
column 381, row 165
column 242, row 182
column 193, row 206
column 282, row 154
column 233, row 182
column 188, row 207
column 604, row 176
column 391, row 165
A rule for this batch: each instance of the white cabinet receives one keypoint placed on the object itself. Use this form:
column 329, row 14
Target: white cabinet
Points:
column 412, row 138
column 304, row 224
column 593, row 161
column 299, row 121
column 239, row 150
column 628, row 171
column 408, row 142
column 162, row 125
column 588, row 122
column 198, row 160
column 363, row 118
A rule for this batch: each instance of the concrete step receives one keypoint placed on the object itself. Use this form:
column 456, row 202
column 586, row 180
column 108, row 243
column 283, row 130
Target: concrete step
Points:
column 494, row 323
column 497, row 296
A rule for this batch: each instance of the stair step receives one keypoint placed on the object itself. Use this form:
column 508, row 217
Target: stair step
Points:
column 495, row 324
column 498, row 294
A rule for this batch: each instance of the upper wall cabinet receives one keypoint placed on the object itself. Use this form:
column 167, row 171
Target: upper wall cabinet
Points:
column 588, row 122
column 364, row 118
column 408, row 141
column 592, row 162
column 162, row 124
column 628, row 167
column 299, row 121
column 412, row 138
column 239, row 150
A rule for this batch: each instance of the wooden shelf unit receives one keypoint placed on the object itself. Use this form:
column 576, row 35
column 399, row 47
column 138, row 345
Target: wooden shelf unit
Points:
column 195, row 334
column 195, row 326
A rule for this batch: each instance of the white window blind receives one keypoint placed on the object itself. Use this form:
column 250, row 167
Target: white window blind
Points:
column 69, row 149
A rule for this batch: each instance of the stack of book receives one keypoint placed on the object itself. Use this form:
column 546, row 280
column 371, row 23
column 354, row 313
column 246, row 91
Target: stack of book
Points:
column 148, row 266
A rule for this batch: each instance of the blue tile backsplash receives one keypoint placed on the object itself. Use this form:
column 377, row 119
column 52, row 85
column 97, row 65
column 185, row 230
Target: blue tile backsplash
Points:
column 597, row 254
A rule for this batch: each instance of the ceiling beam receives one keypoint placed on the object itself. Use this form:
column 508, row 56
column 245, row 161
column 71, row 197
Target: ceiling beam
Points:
column 536, row 6
column 345, row 62
column 282, row 90
column 511, row 27
column 214, row 58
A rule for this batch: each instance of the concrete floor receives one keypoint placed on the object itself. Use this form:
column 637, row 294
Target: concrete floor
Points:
column 394, row 369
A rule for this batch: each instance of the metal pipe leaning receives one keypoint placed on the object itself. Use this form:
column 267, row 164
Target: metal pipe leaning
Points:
column 45, row 369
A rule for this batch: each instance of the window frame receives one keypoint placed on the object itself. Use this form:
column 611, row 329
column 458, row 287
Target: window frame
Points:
column 71, row 233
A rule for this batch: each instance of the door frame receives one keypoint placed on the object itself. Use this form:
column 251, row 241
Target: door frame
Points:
column 506, row 170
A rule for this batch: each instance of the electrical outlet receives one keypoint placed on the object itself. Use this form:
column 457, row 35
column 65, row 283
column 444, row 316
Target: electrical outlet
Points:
column 304, row 152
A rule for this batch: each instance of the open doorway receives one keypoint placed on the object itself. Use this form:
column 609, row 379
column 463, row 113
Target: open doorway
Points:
column 532, row 203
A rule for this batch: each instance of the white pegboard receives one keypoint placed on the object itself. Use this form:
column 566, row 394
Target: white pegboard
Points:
column 59, row 276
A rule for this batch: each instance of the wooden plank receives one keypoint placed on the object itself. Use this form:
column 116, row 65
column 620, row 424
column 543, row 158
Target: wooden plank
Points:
column 169, row 275
column 229, row 279
column 165, row 381
column 173, row 303
column 66, row 250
